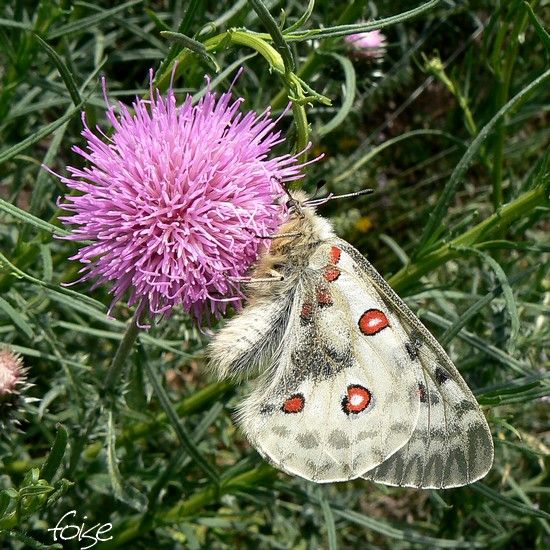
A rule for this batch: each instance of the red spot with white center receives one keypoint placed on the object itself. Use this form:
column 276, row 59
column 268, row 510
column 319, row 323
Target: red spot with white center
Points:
column 331, row 274
column 357, row 399
column 294, row 404
column 335, row 254
column 372, row 322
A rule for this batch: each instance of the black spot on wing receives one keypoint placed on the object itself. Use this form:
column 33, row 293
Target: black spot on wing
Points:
column 441, row 376
column 462, row 407
column 413, row 346
column 268, row 409
column 422, row 393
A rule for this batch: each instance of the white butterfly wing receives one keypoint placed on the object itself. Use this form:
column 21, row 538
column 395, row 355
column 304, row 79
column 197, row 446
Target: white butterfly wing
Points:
column 451, row 444
column 341, row 397
column 249, row 340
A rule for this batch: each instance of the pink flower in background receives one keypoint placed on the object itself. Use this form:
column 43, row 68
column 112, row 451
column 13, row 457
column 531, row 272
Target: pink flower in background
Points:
column 371, row 44
column 13, row 385
column 175, row 199
column 12, row 372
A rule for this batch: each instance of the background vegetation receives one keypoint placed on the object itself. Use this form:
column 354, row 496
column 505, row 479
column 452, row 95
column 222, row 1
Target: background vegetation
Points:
column 449, row 127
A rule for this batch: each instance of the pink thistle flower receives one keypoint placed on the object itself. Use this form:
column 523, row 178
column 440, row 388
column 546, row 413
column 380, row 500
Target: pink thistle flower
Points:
column 174, row 200
column 370, row 44
column 12, row 372
column 13, row 385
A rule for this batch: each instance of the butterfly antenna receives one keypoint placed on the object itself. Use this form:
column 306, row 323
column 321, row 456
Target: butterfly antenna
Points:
column 332, row 196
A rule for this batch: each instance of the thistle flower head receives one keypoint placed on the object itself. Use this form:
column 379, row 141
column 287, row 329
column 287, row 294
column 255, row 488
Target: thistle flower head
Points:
column 175, row 200
column 13, row 385
column 12, row 372
column 369, row 44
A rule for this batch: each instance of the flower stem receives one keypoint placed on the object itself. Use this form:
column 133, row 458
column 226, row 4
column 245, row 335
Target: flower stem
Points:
column 504, row 77
column 185, row 508
column 124, row 348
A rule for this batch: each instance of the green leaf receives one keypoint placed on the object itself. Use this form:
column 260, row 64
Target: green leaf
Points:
column 436, row 214
column 509, row 503
column 303, row 18
column 30, row 219
column 346, row 174
column 539, row 27
column 4, row 503
column 32, row 544
column 46, row 255
column 122, row 490
column 87, row 23
column 181, row 432
column 11, row 152
column 408, row 535
column 329, row 521
column 64, row 71
column 481, row 344
column 57, row 452
column 343, row 30
column 395, row 248
column 17, row 318
column 348, row 94
column 193, row 45
column 505, row 287
column 15, row 24
column 275, row 32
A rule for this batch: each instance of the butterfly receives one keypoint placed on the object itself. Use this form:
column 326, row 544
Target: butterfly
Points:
column 348, row 381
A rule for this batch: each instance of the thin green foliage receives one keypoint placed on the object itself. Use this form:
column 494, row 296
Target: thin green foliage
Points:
column 448, row 125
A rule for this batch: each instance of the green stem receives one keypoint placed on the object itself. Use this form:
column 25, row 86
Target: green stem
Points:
column 111, row 378
column 134, row 528
column 313, row 60
column 412, row 272
column 435, row 66
column 196, row 402
column 124, row 348
column 504, row 78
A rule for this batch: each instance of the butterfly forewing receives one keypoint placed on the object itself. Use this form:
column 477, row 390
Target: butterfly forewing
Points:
column 452, row 444
column 341, row 397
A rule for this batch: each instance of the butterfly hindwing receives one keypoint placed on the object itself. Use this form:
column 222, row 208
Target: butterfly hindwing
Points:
column 341, row 397
column 452, row 444
column 250, row 340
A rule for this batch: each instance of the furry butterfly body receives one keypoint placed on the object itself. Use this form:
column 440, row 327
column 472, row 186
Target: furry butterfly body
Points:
column 349, row 382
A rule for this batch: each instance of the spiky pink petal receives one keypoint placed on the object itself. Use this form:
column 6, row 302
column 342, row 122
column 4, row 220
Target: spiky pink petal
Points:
column 175, row 199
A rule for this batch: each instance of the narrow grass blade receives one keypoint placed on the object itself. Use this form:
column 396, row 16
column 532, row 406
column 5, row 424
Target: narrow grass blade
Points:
column 506, row 290
column 388, row 143
column 342, row 30
column 409, row 536
column 25, row 217
column 55, row 457
column 510, row 503
column 539, row 27
column 64, row 71
column 11, row 152
column 348, row 95
column 181, row 432
column 17, row 318
column 86, row 23
column 436, row 215
column 329, row 521
column 122, row 490
column 275, row 32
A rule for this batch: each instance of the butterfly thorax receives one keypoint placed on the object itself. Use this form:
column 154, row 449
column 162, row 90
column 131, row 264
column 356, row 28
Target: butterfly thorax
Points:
column 290, row 251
